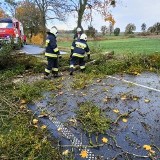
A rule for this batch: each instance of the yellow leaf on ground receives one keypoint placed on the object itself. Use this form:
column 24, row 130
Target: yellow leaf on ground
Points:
column 43, row 127
column 42, row 114
column 147, row 147
column 35, row 121
column 59, row 129
column 125, row 120
column 116, row 111
column 146, row 100
column 136, row 73
column 65, row 153
column 135, row 98
column 23, row 106
column 36, row 126
column 99, row 80
column 152, row 151
column 104, row 140
column 84, row 154
column 23, row 101
column 124, row 97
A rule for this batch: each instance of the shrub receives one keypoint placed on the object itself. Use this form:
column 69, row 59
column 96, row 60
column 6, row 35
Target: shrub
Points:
column 117, row 31
column 5, row 56
column 91, row 31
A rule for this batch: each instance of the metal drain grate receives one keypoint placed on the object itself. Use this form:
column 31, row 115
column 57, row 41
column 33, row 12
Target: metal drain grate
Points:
column 69, row 135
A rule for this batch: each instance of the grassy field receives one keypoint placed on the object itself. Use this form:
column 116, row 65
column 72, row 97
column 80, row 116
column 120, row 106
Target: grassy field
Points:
column 124, row 46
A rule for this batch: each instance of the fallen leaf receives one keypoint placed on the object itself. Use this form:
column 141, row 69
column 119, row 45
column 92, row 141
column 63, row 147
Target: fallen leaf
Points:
column 135, row 98
column 124, row 97
column 65, row 153
column 136, row 73
column 151, row 69
column 104, row 140
column 42, row 114
column 35, row 121
column 99, row 80
column 36, row 126
column 152, row 151
column 23, row 101
column 146, row 100
column 73, row 120
column 43, row 127
column 125, row 120
column 147, row 147
column 84, row 154
column 106, row 99
column 116, row 111
column 22, row 107
column 59, row 129
column 60, row 93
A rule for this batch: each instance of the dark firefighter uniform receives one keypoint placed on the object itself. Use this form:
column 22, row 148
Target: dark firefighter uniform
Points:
column 79, row 48
column 52, row 53
column 76, row 37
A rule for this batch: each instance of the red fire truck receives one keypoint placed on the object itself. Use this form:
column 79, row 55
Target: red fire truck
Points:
column 11, row 29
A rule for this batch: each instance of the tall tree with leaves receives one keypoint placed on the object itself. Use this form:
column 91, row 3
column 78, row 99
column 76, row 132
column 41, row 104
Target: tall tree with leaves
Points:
column 130, row 28
column 143, row 27
column 50, row 10
column 104, row 30
column 111, row 28
column 157, row 27
column 29, row 15
column 84, row 8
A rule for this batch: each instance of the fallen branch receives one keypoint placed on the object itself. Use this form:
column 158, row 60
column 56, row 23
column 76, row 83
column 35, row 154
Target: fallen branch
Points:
column 83, row 146
column 124, row 115
column 64, row 68
column 125, row 152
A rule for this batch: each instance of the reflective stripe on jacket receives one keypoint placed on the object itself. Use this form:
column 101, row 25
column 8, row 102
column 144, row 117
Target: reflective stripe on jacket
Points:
column 79, row 48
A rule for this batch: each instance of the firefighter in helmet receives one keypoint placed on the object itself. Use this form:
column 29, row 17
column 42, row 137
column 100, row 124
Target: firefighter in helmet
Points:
column 76, row 37
column 79, row 48
column 52, row 53
column 78, row 34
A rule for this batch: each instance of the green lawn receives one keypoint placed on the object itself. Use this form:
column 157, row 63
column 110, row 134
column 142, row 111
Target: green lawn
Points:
column 123, row 46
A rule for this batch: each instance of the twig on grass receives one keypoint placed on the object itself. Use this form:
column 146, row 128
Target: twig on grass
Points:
column 124, row 115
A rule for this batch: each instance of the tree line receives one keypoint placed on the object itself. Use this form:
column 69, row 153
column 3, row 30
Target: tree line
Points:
column 34, row 14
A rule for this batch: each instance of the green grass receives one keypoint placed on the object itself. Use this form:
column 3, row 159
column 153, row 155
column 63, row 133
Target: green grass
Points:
column 124, row 46
column 135, row 45
column 19, row 139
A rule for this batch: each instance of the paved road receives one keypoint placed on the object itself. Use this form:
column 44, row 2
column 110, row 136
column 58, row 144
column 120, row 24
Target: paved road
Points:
column 34, row 50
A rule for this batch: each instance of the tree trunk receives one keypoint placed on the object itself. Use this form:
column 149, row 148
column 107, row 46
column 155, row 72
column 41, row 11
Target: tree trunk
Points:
column 44, row 29
column 81, row 12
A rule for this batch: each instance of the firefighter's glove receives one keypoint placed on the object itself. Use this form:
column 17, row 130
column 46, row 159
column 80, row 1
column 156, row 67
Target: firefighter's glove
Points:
column 88, row 56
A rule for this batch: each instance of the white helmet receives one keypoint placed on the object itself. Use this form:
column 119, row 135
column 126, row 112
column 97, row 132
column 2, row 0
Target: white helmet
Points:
column 84, row 37
column 79, row 29
column 54, row 31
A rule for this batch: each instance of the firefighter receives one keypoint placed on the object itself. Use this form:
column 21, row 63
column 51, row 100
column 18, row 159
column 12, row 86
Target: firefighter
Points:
column 80, row 47
column 77, row 34
column 76, row 37
column 52, row 53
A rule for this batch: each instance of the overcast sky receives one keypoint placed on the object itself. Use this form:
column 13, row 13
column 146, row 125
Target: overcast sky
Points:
column 129, row 11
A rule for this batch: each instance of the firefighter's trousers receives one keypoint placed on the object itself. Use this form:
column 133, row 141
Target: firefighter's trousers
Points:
column 52, row 66
column 77, row 60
